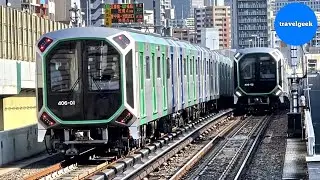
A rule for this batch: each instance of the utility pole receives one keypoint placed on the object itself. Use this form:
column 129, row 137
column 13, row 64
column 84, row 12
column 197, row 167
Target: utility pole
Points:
column 294, row 117
column 74, row 15
column 294, row 84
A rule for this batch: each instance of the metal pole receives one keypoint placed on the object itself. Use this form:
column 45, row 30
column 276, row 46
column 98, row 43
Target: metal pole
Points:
column 213, row 46
column 90, row 17
column 255, row 41
column 294, row 84
column 87, row 12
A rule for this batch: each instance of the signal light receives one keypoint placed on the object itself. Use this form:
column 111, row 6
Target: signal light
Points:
column 125, row 117
column 44, row 43
column 47, row 120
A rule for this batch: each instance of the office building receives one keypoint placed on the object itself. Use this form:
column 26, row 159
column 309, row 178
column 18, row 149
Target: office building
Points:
column 214, row 17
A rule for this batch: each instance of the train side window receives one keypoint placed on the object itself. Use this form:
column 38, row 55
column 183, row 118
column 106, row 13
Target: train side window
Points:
column 197, row 65
column 163, row 69
column 129, row 78
column 178, row 67
column 184, row 66
column 168, row 66
column 158, row 67
column 205, row 66
column 201, row 67
column 191, row 67
column 147, row 67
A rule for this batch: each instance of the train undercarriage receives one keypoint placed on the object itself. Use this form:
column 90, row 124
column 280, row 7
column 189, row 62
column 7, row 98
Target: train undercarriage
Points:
column 261, row 105
column 120, row 140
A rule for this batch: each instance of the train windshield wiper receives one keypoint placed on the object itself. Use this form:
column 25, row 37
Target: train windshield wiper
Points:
column 74, row 86
column 95, row 82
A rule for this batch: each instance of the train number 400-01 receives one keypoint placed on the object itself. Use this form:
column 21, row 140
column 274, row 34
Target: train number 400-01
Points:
column 66, row 103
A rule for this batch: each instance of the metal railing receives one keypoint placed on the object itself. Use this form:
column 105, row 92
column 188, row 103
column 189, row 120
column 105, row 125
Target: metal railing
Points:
column 309, row 133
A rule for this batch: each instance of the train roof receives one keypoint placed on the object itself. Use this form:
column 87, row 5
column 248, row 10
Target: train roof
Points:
column 82, row 32
column 257, row 50
column 103, row 32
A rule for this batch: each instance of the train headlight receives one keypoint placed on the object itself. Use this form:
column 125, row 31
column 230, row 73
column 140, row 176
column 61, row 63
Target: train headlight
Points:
column 278, row 92
column 238, row 93
column 237, row 55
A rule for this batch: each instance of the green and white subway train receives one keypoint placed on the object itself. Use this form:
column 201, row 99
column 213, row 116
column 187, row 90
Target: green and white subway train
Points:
column 115, row 88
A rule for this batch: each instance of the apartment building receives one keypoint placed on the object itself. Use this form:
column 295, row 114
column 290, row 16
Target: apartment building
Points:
column 251, row 23
column 217, row 17
column 185, row 34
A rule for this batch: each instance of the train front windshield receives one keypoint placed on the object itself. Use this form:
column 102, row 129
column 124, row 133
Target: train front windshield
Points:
column 257, row 73
column 83, row 80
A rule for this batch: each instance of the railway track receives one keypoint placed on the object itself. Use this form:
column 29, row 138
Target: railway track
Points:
column 89, row 166
column 229, row 158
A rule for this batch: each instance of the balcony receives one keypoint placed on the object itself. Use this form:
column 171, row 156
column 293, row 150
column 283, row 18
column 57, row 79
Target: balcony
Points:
column 97, row 14
column 249, row 35
column 253, row 28
column 246, row 13
column 99, row 22
column 246, row 6
column 255, row 20
column 97, row 3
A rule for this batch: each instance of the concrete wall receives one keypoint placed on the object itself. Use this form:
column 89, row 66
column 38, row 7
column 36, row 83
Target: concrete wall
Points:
column 17, row 85
column 18, row 144
column 19, row 111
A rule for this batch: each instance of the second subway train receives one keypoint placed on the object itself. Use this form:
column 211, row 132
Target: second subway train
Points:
column 261, row 81
column 102, row 86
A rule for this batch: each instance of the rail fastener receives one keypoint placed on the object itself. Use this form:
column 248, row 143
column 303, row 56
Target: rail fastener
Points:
column 182, row 171
column 161, row 156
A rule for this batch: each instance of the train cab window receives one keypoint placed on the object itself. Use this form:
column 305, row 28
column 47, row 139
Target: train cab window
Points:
column 63, row 71
column 267, row 68
column 147, row 67
column 103, row 66
column 247, row 68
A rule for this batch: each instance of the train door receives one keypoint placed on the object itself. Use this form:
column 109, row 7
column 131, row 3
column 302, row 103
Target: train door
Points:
column 101, row 79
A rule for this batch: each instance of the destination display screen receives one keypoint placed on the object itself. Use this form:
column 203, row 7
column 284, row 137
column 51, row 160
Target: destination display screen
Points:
column 124, row 13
